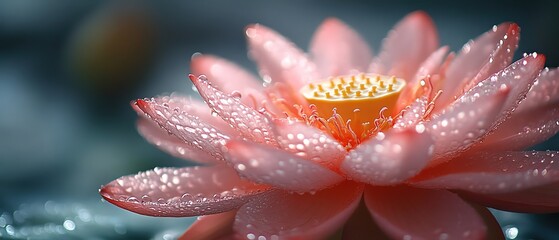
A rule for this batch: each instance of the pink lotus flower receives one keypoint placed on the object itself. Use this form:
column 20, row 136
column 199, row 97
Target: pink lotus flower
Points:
column 419, row 135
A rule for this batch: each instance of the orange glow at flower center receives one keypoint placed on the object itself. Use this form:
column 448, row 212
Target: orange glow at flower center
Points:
column 356, row 97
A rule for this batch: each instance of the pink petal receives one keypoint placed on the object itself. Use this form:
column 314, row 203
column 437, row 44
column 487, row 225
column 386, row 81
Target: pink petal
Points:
column 544, row 91
column 217, row 226
column 535, row 118
column 479, row 59
column 279, row 168
column 432, row 64
column 279, row 60
column 252, row 124
column 339, row 50
column 464, row 123
column 172, row 192
column 513, row 181
column 389, row 160
column 173, row 145
column 524, row 129
column 228, row 77
column 494, row 172
column 413, row 88
column 413, row 213
column 413, row 114
column 187, row 105
column 282, row 215
column 487, row 103
column 310, row 143
column 191, row 129
column 407, row 46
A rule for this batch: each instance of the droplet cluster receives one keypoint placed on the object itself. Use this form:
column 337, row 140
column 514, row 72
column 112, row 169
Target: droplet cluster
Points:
column 181, row 192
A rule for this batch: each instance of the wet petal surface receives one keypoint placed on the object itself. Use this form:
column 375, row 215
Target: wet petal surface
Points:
column 492, row 173
column 278, row 168
column 479, row 59
column 252, row 124
column 181, row 192
column 310, row 143
column 228, row 77
column 191, row 129
column 173, row 145
column 390, row 160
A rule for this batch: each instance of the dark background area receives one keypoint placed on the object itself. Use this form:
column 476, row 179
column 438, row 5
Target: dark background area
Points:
column 68, row 70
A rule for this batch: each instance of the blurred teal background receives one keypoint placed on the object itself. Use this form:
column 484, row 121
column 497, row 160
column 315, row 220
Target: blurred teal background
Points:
column 68, row 70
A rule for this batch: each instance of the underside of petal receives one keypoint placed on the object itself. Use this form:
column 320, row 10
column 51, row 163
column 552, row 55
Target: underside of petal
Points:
column 182, row 192
column 279, row 168
column 412, row 213
column 283, row 215
column 339, row 50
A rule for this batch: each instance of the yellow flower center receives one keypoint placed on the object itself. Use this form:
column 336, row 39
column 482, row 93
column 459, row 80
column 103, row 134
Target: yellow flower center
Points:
column 359, row 98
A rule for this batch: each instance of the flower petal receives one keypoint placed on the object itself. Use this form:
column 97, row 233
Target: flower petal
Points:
column 464, row 123
column 338, row 50
column 407, row 46
column 456, row 128
column 172, row 192
column 524, row 130
column 517, row 181
column 413, row 213
column 252, row 124
column 479, row 59
column 413, row 114
column 278, row 59
column 544, row 91
column 172, row 145
column 187, row 105
column 393, row 159
column 191, row 129
column 494, row 172
column 276, row 167
column 413, row 88
column 217, row 226
column 283, row 215
column 310, row 143
column 535, row 118
column 228, row 77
